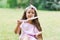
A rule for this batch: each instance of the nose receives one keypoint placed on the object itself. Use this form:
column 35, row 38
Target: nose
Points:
column 31, row 14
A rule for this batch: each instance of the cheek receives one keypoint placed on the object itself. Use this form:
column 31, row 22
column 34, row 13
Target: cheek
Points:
column 27, row 15
column 33, row 15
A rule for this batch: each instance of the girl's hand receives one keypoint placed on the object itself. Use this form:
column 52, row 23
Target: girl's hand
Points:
column 38, row 35
column 18, row 29
column 18, row 21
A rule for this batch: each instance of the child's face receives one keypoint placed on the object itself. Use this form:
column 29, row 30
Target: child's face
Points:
column 30, row 13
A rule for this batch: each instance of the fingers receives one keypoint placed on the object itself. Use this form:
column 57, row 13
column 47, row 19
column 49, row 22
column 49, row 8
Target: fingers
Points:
column 38, row 33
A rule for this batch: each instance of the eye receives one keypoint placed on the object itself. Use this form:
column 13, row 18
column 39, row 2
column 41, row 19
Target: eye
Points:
column 29, row 12
column 32, row 12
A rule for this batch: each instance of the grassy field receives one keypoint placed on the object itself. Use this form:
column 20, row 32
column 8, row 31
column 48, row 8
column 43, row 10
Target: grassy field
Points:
column 49, row 20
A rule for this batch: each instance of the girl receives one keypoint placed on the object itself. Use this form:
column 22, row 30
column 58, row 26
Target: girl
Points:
column 29, row 27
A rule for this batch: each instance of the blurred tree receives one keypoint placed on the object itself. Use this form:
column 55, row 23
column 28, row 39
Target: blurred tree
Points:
column 3, row 3
column 39, row 4
column 24, row 3
column 52, row 4
column 36, row 3
column 31, row 1
column 12, row 3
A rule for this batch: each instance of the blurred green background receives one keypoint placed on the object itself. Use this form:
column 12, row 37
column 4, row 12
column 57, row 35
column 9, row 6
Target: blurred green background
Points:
column 39, row 4
column 48, row 13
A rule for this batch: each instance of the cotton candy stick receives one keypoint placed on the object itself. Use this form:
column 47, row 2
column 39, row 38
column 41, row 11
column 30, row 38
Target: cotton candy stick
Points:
column 28, row 19
column 32, row 18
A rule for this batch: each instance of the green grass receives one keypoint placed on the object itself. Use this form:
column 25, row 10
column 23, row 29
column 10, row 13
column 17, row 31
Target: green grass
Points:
column 49, row 20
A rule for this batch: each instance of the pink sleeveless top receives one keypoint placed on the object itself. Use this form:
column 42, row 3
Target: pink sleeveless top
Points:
column 28, row 29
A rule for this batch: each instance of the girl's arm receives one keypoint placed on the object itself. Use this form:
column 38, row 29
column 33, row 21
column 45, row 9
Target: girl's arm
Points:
column 18, row 29
column 39, row 36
